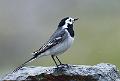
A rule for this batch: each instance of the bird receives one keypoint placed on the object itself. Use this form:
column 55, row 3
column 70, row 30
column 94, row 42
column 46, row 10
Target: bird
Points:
column 60, row 41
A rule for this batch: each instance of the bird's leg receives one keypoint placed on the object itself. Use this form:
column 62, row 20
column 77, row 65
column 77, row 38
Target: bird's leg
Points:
column 54, row 60
column 59, row 60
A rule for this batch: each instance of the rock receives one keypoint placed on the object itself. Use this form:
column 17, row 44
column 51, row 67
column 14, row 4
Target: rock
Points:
column 99, row 72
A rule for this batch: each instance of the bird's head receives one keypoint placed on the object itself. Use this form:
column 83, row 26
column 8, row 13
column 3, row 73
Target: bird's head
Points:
column 67, row 21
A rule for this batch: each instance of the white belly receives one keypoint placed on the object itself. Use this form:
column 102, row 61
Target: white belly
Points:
column 62, row 47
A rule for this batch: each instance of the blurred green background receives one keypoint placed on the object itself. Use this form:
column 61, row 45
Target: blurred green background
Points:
column 26, row 24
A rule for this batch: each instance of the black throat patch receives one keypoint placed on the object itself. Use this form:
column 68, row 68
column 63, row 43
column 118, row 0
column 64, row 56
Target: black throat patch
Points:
column 70, row 29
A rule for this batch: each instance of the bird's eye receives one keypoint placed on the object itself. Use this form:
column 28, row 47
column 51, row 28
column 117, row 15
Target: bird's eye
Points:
column 70, row 20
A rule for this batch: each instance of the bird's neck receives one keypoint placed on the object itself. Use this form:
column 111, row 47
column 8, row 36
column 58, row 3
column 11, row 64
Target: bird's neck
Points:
column 70, row 29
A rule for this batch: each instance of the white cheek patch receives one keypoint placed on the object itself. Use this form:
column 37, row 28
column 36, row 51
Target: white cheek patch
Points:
column 67, row 21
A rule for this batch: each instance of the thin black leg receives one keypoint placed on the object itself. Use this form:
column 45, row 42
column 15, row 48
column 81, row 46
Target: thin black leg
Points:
column 54, row 60
column 59, row 60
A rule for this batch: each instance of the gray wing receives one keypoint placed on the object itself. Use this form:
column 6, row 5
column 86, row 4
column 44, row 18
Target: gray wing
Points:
column 58, row 37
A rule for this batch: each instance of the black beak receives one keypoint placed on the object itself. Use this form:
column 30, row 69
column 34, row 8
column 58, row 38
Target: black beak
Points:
column 76, row 19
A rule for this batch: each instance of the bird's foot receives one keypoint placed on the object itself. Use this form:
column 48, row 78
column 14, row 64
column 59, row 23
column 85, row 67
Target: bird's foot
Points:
column 63, row 66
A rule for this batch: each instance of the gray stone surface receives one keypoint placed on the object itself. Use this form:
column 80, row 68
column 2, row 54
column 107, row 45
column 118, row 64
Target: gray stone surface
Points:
column 99, row 72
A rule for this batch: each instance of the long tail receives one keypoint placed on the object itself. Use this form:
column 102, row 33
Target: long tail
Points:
column 22, row 65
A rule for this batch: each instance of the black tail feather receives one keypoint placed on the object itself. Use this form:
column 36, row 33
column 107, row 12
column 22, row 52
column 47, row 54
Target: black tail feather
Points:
column 22, row 65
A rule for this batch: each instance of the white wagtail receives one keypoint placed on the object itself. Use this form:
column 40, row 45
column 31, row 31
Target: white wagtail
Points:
column 58, row 43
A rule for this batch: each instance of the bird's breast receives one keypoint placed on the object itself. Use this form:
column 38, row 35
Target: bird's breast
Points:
column 62, row 47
